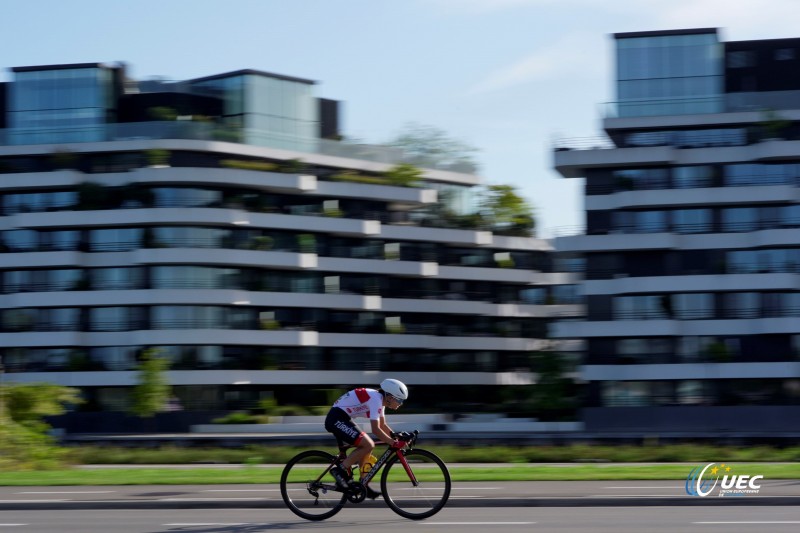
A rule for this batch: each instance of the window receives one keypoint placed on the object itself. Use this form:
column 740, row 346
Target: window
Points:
column 117, row 278
column 740, row 219
column 635, row 393
column 21, row 240
column 61, row 240
column 641, row 178
column 783, row 54
column 116, row 318
column 646, row 307
column 651, row 222
column 741, row 59
column 693, row 177
column 116, row 239
column 693, row 305
column 790, row 216
column 741, row 304
column 646, row 350
column 116, row 357
column 690, row 392
column 691, row 220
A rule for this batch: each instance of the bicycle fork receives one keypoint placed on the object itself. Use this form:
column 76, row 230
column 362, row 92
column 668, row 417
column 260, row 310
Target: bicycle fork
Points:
column 402, row 458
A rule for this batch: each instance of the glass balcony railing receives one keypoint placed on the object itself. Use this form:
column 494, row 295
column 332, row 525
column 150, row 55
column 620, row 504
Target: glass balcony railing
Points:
column 184, row 129
column 724, row 103
column 663, row 107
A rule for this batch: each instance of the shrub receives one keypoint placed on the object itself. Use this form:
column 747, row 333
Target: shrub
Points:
column 236, row 418
column 262, row 166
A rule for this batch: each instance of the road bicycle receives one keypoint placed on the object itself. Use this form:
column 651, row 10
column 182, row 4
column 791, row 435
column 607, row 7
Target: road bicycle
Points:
column 415, row 483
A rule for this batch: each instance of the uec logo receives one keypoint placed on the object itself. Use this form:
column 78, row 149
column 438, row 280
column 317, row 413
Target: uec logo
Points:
column 702, row 481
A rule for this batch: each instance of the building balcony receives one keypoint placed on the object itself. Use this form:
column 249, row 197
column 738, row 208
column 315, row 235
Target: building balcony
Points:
column 690, row 371
column 621, row 241
column 193, row 215
column 432, row 342
column 671, row 328
column 140, row 136
column 191, row 296
column 572, row 163
column 694, row 283
column 300, row 377
column 702, row 196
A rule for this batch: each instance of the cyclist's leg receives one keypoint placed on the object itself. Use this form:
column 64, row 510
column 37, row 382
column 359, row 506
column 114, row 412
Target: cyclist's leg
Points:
column 339, row 423
column 364, row 446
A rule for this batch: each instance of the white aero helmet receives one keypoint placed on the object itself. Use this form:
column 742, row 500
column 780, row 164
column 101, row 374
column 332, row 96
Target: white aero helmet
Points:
column 396, row 388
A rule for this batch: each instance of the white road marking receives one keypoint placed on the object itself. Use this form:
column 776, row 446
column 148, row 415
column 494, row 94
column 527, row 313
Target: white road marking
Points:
column 31, row 501
column 206, row 524
column 241, row 490
column 628, row 496
column 211, row 499
column 762, row 522
column 67, row 492
column 12, row 525
column 473, row 523
column 648, row 488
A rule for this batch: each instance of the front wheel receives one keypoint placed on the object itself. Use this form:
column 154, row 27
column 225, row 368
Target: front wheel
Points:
column 424, row 499
column 307, row 486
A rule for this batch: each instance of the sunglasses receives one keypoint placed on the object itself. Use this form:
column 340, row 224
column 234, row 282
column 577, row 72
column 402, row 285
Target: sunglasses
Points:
column 395, row 398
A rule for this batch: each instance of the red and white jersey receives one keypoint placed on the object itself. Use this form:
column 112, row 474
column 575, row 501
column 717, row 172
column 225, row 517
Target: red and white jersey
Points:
column 364, row 403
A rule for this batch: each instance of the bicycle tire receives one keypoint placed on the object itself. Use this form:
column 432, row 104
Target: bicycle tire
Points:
column 421, row 501
column 302, row 490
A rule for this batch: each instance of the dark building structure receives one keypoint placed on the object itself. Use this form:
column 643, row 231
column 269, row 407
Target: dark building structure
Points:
column 692, row 243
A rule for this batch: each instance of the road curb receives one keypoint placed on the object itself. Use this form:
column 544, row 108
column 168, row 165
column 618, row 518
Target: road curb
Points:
column 684, row 501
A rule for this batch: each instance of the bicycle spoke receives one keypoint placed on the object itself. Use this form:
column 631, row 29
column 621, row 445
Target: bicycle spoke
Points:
column 304, row 492
column 424, row 499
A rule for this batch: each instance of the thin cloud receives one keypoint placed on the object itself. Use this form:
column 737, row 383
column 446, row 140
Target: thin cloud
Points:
column 567, row 58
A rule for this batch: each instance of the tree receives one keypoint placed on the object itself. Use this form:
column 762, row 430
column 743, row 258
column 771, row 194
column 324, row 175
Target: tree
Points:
column 429, row 146
column 404, row 175
column 553, row 394
column 25, row 443
column 152, row 391
column 506, row 210
column 29, row 403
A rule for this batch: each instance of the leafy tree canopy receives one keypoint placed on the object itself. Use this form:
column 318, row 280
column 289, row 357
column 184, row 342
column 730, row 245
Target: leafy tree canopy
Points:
column 152, row 391
column 25, row 443
column 506, row 210
column 28, row 403
column 429, row 146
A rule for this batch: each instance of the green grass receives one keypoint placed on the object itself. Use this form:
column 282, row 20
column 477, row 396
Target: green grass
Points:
column 270, row 475
column 574, row 453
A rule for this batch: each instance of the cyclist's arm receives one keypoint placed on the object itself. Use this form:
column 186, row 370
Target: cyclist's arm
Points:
column 382, row 430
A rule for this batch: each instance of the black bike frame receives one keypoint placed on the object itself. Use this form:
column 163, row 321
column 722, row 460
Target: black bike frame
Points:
column 379, row 463
column 385, row 457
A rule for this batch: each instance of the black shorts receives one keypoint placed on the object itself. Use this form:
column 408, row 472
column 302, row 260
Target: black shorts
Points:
column 342, row 426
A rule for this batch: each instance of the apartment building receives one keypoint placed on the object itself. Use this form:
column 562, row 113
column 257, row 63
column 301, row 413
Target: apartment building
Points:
column 692, row 246
column 216, row 221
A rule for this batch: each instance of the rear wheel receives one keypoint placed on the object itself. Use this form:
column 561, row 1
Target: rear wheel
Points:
column 306, row 491
column 431, row 491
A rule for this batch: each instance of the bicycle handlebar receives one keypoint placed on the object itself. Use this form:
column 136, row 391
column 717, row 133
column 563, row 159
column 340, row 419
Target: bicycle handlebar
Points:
column 410, row 438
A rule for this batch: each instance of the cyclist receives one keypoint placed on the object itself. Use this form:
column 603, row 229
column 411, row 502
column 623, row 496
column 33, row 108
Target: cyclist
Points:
column 366, row 403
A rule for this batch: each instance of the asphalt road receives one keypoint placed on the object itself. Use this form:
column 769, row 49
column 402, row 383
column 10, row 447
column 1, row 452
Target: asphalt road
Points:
column 464, row 495
column 620, row 519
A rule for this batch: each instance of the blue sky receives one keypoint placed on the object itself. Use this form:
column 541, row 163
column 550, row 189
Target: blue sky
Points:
column 507, row 76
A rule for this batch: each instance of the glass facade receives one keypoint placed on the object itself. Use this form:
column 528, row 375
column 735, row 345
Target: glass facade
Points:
column 266, row 111
column 59, row 105
column 669, row 74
